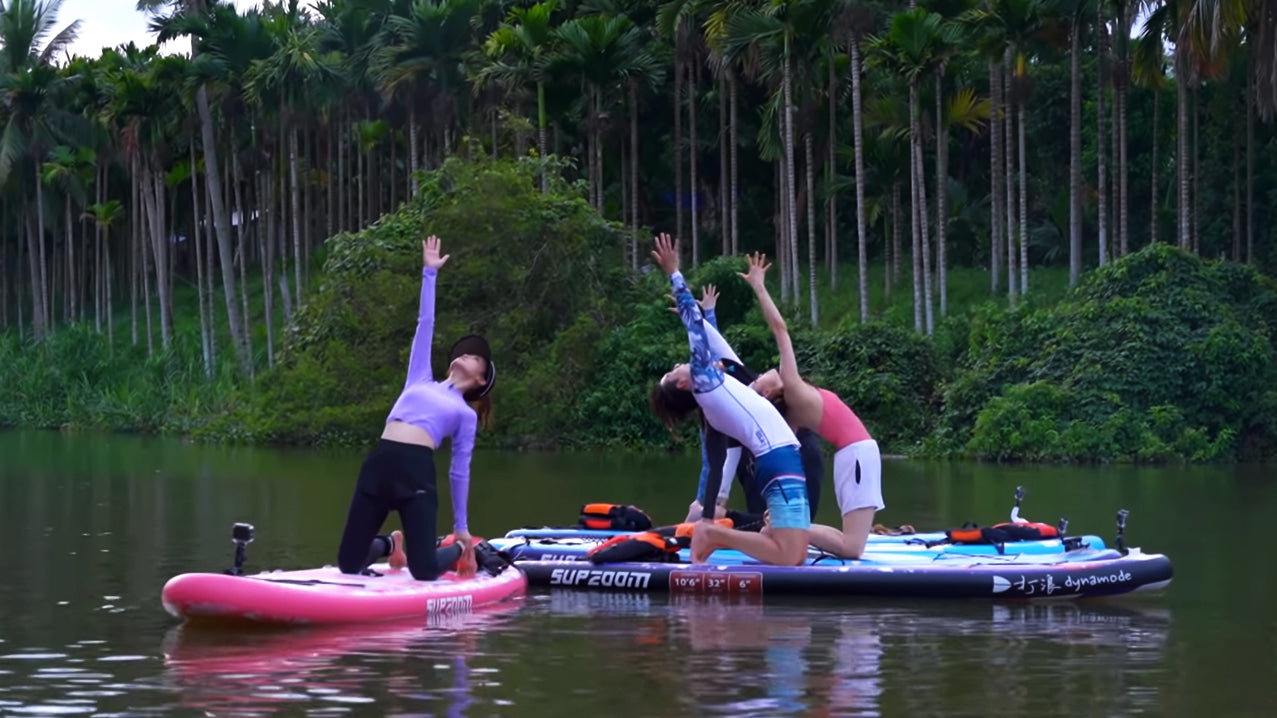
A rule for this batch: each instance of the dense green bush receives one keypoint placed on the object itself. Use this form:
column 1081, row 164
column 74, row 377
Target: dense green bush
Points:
column 1158, row 355
column 529, row 271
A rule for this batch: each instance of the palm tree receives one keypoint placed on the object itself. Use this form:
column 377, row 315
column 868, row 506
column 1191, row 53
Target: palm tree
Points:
column 913, row 48
column 36, row 122
column 518, row 52
column 282, row 82
column 198, row 20
column 106, row 215
column 604, row 54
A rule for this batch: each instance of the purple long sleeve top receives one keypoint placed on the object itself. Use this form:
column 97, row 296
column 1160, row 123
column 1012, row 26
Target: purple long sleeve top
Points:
column 437, row 408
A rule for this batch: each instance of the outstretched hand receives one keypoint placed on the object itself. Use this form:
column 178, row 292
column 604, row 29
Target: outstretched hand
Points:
column 758, row 266
column 666, row 253
column 430, row 253
column 709, row 297
column 708, row 300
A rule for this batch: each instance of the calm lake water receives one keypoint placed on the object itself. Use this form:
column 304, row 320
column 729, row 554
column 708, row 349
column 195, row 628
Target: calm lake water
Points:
column 92, row 526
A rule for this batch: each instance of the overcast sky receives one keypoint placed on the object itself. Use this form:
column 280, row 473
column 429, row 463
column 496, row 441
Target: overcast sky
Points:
column 107, row 23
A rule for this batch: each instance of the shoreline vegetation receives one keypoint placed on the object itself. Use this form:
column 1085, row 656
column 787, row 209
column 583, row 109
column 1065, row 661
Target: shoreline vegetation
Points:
column 1160, row 356
column 220, row 245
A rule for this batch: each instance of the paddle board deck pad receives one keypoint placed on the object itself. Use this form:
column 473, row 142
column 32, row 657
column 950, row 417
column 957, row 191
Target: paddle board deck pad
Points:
column 1085, row 573
column 570, row 548
column 327, row 596
column 874, row 540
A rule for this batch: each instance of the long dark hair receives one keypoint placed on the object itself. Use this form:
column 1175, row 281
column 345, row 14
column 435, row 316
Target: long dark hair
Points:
column 671, row 405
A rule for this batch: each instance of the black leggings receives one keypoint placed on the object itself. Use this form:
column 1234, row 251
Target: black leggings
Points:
column 395, row 477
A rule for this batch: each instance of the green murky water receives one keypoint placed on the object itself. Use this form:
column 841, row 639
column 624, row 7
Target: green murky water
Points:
column 92, row 526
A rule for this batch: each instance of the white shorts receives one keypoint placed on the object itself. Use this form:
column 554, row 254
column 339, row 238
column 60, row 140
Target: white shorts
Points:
column 858, row 477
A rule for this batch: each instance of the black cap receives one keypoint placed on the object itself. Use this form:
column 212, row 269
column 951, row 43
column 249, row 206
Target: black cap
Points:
column 478, row 346
column 739, row 372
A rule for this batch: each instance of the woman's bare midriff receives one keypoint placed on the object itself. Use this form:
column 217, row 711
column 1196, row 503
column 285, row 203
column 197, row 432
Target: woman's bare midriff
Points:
column 406, row 433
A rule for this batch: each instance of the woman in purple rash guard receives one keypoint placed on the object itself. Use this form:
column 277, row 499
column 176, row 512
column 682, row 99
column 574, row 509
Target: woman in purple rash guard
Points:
column 399, row 474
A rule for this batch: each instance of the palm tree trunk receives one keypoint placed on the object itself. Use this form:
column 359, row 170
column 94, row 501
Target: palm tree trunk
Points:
column 541, row 139
column 996, row 176
column 811, row 227
column 1075, row 150
column 210, row 251
column 693, row 155
column 295, row 209
column 791, row 190
column 678, row 137
column 831, row 197
column 1182, row 159
column 330, row 194
column 731, row 81
column 1008, row 156
column 896, row 224
column 781, row 222
column 154, row 198
column 1194, row 203
column 199, row 267
column 1123, row 167
column 343, row 182
column 145, row 270
column 915, row 206
column 597, row 173
column 33, row 259
column 724, row 228
column 135, row 217
column 1250, row 168
column 942, row 193
column 1100, row 170
column 222, row 225
column 72, row 279
column 264, row 253
column 46, row 296
column 106, row 257
column 923, row 228
column 1152, row 224
column 858, row 151
column 97, row 253
column 1237, row 199
column 634, row 163
column 1024, row 208
column 241, row 239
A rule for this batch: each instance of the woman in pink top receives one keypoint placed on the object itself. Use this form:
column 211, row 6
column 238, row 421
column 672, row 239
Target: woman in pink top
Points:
column 857, row 462
column 399, row 474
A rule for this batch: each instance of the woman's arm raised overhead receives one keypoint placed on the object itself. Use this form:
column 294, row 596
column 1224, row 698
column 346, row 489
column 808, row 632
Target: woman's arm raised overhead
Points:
column 755, row 277
column 419, row 355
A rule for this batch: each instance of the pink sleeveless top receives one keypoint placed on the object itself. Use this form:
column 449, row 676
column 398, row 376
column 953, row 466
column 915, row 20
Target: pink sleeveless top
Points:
column 839, row 425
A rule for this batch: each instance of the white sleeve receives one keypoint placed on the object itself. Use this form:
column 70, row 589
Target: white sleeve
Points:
column 729, row 474
column 718, row 345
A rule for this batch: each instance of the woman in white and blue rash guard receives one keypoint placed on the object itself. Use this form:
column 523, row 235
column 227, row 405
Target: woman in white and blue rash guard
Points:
column 733, row 409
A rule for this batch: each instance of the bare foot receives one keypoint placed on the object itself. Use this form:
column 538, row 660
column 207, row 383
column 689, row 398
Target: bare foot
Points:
column 397, row 559
column 701, row 546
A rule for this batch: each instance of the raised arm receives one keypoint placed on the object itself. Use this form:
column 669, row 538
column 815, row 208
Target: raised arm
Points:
column 755, row 278
column 419, row 356
column 706, row 376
